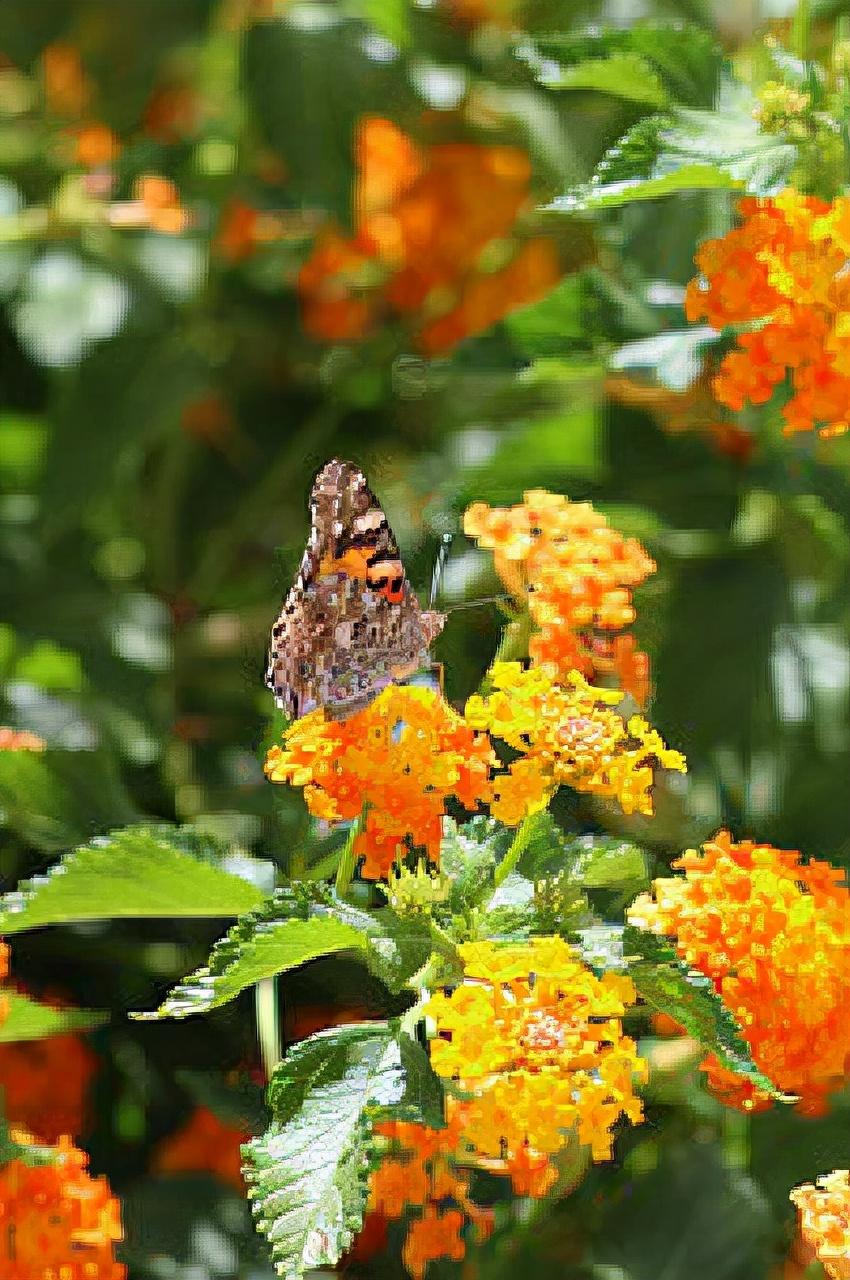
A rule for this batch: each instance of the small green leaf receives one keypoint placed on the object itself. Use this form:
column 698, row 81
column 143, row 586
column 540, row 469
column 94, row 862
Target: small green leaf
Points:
column 612, row 195
column 289, row 931
column 690, row 998
column 622, row 75
column 29, row 1020
column 468, row 856
column 307, row 1174
column 599, row 862
column 388, row 17
column 58, row 798
column 141, row 872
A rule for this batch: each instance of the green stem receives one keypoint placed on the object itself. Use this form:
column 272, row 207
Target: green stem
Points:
column 518, row 846
column 268, row 1024
column 800, row 30
column 347, row 859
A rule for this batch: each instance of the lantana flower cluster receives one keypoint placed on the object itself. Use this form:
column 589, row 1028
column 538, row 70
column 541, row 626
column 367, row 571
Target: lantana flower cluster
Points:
column 56, row 1221
column 426, row 220
column 569, row 735
column 824, row 1211
column 45, row 1083
column 536, row 1038
column 782, row 275
column 399, row 759
column 532, row 1050
column 576, row 575
column 773, row 934
column 204, row 1144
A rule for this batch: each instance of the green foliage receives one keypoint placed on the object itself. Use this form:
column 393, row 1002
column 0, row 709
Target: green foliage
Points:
column 288, row 931
column 161, row 416
column 29, row 1020
column 667, row 984
column 143, row 872
column 307, row 1173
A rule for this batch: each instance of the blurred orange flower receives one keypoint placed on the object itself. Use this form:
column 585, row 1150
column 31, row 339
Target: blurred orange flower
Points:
column 400, row 758
column 576, row 574
column 67, row 89
column 4, row 973
column 426, row 222
column 56, row 1221
column 20, row 740
column 824, row 1212
column 783, row 275
column 45, row 1084
column 203, row 1145
column 773, row 933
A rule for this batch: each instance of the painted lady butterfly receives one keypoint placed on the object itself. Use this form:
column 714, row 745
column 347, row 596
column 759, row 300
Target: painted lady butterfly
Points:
column 351, row 624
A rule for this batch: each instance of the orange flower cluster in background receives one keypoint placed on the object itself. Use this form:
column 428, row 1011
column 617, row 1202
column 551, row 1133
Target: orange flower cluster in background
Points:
column 56, row 1221
column 45, row 1084
column 533, row 1041
column 4, row 973
column 576, row 575
column 433, row 243
column 825, row 1220
column 773, row 933
column 782, row 274
column 20, row 740
column 400, row 758
column 479, row 13
column 428, row 1170
column 203, row 1145
column 568, row 735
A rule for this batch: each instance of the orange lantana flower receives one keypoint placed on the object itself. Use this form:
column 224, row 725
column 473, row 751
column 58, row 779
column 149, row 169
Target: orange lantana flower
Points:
column 424, row 220
column 45, row 1084
column 57, row 1222
column 576, row 574
column 400, row 759
column 825, row 1220
column 783, row 275
column 203, row 1145
column 773, row 933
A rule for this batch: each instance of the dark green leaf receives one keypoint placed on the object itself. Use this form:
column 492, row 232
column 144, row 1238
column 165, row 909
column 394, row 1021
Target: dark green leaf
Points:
column 57, row 798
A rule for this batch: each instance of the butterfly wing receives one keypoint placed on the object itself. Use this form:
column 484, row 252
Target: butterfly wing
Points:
column 351, row 624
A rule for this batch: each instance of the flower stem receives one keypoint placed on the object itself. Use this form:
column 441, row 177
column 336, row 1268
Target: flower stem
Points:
column 268, row 1024
column 518, row 846
column 347, row 858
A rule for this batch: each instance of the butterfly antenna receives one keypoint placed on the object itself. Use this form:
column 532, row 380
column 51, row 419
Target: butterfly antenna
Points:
column 474, row 604
column 439, row 567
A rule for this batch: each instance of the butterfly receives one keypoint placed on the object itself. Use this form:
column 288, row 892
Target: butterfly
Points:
column 351, row 624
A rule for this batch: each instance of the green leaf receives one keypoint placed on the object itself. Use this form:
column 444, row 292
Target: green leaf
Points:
column 689, row 997
column 307, row 1173
column 600, row 862
column 58, row 798
column 289, row 931
column 29, row 1020
column 612, row 195
column 622, row 75
column 141, row 872
column 388, row 17
column 468, row 856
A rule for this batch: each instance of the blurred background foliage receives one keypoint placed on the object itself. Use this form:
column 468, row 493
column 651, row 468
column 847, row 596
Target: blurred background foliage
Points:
column 166, row 167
